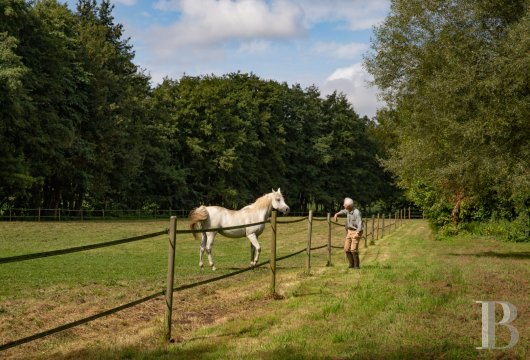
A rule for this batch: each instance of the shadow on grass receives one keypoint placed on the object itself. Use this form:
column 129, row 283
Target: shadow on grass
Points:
column 197, row 351
column 507, row 255
column 221, row 351
column 133, row 352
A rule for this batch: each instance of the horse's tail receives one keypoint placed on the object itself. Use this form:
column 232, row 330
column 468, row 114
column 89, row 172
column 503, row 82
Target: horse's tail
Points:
column 196, row 216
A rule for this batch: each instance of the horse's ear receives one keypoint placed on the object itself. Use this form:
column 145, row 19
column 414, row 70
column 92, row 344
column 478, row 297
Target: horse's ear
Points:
column 278, row 190
column 273, row 191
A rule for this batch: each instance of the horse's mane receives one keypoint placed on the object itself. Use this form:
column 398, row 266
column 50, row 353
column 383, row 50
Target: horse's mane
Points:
column 262, row 202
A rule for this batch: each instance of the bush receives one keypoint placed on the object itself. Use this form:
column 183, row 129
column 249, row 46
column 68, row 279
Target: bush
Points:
column 504, row 230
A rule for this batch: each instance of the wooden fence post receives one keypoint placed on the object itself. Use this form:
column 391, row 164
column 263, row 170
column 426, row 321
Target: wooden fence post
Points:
column 377, row 234
column 383, row 227
column 273, row 253
column 409, row 213
column 39, row 215
column 395, row 220
column 329, row 240
column 365, row 233
column 372, row 242
column 309, row 230
column 170, row 275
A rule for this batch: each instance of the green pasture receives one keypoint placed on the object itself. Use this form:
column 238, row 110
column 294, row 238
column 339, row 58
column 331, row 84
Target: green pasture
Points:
column 413, row 298
column 142, row 262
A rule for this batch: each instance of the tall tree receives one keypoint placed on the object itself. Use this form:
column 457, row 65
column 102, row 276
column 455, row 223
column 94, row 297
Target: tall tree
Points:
column 440, row 67
column 15, row 176
column 110, row 149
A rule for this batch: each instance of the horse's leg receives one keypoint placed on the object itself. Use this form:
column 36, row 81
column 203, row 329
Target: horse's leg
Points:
column 252, row 252
column 209, row 243
column 254, row 240
column 203, row 247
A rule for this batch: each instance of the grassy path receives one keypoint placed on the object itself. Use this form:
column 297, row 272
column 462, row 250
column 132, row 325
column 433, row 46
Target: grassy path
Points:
column 413, row 298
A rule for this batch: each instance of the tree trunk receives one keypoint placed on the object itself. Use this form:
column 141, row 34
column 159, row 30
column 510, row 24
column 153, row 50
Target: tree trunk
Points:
column 455, row 214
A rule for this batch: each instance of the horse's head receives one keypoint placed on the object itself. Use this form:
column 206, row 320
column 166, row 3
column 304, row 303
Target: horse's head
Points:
column 278, row 203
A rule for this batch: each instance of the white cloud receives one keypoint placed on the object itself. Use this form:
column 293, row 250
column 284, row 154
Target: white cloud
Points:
column 358, row 14
column 340, row 51
column 254, row 47
column 353, row 81
column 212, row 22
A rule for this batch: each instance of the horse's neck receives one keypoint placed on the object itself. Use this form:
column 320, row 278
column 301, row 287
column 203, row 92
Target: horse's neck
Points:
column 263, row 206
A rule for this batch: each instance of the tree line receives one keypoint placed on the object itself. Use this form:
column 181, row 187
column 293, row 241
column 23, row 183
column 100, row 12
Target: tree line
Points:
column 455, row 76
column 81, row 126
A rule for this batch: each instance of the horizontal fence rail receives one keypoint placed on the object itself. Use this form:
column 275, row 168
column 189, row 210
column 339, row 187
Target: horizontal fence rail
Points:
column 78, row 322
column 219, row 229
column 38, row 214
column 25, row 257
column 41, row 214
column 391, row 222
column 132, row 304
column 291, row 221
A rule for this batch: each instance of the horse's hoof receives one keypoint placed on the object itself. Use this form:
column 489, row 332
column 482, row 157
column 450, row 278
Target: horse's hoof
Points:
column 214, row 268
column 201, row 265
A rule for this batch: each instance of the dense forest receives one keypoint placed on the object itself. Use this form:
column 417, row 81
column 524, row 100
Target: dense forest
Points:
column 81, row 127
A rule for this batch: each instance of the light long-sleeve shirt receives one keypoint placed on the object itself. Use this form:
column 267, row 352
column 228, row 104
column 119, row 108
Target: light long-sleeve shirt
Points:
column 354, row 220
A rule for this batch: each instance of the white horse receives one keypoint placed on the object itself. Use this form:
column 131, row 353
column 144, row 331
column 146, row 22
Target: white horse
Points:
column 211, row 217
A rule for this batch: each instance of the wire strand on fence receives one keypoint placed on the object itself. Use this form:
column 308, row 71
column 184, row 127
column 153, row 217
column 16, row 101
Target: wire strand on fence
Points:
column 220, row 228
column 79, row 248
column 78, row 322
column 320, row 219
column 131, row 304
column 291, row 221
column 114, row 242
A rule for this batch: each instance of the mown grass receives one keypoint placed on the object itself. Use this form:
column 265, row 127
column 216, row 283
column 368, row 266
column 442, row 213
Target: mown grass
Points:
column 143, row 261
column 413, row 298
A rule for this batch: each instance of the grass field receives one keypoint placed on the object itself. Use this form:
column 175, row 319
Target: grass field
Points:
column 413, row 298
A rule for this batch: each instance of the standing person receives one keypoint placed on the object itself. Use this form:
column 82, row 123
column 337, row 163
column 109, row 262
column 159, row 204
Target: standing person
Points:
column 354, row 232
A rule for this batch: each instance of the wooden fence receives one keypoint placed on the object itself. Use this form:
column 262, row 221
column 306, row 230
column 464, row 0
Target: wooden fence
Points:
column 43, row 214
column 373, row 227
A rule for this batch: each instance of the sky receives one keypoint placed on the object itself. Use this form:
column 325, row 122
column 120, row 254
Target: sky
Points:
column 306, row 42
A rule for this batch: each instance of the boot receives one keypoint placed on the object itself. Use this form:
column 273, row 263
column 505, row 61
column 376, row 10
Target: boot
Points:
column 356, row 261
column 349, row 255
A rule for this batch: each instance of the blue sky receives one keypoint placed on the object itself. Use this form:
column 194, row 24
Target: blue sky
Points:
column 308, row 42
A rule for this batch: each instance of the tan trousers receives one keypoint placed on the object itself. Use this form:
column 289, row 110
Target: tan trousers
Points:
column 351, row 243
